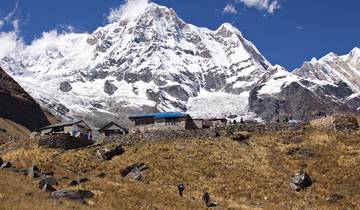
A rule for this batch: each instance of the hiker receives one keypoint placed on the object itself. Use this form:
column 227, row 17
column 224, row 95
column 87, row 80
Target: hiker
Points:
column 181, row 188
column 234, row 122
column 206, row 199
column 241, row 121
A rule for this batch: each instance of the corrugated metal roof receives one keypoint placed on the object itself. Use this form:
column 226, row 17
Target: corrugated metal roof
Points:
column 62, row 124
column 160, row 115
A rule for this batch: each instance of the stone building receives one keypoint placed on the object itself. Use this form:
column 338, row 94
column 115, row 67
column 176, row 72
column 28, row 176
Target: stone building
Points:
column 161, row 121
column 77, row 129
column 336, row 122
column 112, row 129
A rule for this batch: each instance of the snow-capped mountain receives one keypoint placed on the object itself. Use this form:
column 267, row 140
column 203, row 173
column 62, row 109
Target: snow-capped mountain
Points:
column 327, row 85
column 154, row 61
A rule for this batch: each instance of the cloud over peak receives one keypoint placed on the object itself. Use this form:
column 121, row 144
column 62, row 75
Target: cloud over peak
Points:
column 131, row 9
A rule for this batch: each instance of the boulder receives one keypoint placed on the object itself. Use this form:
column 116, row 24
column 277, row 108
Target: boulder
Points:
column 334, row 198
column 65, row 87
column 301, row 152
column 107, row 153
column 13, row 169
column 73, row 183
column 300, row 181
column 48, row 188
column 240, row 136
column 72, row 194
column 5, row 164
column 48, row 173
column 34, row 172
column 134, row 171
column 109, row 88
column 50, row 180
column 83, row 180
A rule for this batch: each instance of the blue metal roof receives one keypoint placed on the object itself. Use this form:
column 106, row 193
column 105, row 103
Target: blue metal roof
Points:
column 160, row 115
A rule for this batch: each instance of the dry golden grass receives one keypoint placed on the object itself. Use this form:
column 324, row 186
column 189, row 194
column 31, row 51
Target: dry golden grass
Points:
column 12, row 129
column 252, row 175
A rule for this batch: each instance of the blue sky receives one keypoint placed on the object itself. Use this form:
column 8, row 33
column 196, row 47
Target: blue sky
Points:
column 287, row 32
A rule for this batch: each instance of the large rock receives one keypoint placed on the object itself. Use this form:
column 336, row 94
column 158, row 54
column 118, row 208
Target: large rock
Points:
column 109, row 88
column 300, row 181
column 34, row 172
column 134, row 171
column 109, row 152
column 65, row 87
column 72, row 194
column 5, row 164
column 47, row 181
column 48, row 188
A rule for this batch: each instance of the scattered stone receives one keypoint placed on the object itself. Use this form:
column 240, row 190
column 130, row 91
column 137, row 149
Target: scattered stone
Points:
column 72, row 194
column 206, row 199
column 73, row 183
column 83, row 180
column 334, row 198
column 301, row 152
column 48, row 180
column 101, row 175
column 291, row 140
column 109, row 152
column 240, row 136
column 24, row 172
column 13, row 169
column 134, row 171
column 34, row 172
column 300, row 181
column 48, row 188
column 5, row 164
column 48, row 173
column 181, row 188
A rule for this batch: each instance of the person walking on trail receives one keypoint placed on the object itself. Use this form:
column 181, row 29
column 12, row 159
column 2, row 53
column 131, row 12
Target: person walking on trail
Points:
column 181, row 188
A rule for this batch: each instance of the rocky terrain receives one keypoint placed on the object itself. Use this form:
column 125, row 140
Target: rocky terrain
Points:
column 302, row 169
column 18, row 106
column 154, row 61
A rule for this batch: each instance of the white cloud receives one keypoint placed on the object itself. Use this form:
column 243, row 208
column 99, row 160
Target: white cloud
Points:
column 300, row 27
column 9, row 41
column 230, row 9
column 270, row 6
column 129, row 10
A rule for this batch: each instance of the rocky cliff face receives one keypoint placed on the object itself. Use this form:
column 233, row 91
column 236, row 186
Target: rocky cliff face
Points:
column 18, row 106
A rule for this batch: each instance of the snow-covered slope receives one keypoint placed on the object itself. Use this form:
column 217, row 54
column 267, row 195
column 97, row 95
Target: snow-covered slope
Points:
column 153, row 60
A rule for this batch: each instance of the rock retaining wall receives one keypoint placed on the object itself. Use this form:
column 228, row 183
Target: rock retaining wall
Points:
column 131, row 139
column 62, row 141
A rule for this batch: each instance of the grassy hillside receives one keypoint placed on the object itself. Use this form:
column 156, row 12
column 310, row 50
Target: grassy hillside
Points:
column 249, row 175
column 12, row 129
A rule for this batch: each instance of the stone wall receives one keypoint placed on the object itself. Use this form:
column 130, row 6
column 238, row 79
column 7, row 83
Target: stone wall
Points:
column 62, row 141
column 336, row 122
column 263, row 128
column 134, row 138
